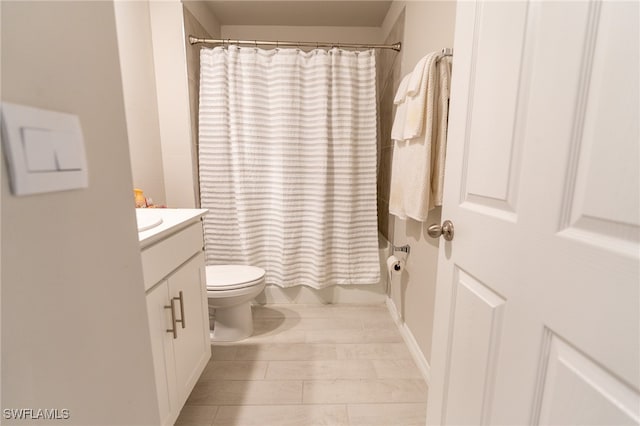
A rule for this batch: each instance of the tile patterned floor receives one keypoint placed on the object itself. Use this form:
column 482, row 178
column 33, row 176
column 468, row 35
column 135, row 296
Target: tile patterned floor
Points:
column 310, row 365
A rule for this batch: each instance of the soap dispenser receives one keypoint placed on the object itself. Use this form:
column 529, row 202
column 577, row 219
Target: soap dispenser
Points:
column 139, row 198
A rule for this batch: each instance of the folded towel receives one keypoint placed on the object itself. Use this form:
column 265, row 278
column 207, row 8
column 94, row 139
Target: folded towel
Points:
column 418, row 162
column 397, row 130
column 421, row 81
column 415, row 81
column 401, row 94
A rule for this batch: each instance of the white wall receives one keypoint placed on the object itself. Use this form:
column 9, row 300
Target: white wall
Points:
column 294, row 33
column 196, row 26
column 74, row 323
column 429, row 26
column 152, row 42
column 169, row 54
column 141, row 105
column 204, row 16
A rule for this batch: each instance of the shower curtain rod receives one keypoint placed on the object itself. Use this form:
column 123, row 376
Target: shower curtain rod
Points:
column 256, row 43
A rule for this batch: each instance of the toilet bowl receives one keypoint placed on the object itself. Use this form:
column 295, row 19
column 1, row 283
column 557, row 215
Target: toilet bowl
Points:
column 230, row 290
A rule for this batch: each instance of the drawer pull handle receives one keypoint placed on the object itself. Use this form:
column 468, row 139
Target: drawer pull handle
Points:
column 172, row 307
column 181, row 299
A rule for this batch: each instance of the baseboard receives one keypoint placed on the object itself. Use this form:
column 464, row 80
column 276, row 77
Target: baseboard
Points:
column 410, row 341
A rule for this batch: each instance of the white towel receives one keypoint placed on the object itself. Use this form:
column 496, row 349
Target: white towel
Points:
column 415, row 82
column 410, row 100
column 422, row 80
column 440, row 133
column 397, row 130
column 418, row 162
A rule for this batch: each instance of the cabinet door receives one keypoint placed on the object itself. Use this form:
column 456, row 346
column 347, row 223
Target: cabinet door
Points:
column 192, row 348
column 162, row 348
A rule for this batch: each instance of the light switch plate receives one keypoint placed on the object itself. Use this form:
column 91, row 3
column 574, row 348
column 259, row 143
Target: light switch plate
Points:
column 44, row 150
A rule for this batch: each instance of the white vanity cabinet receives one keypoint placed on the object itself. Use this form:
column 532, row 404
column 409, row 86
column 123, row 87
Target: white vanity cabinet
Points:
column 173, row 267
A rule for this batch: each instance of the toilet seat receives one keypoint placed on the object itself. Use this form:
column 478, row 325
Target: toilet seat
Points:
column 231, row 277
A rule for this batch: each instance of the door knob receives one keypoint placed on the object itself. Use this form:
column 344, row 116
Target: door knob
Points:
column 446, row 230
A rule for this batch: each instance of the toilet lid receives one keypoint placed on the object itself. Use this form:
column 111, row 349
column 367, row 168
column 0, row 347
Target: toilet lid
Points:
column 228, row 277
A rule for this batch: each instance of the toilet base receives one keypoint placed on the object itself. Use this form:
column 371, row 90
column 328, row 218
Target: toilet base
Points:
column 232, row 323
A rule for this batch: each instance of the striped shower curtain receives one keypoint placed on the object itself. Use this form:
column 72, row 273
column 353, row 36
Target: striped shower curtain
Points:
column 287, row 156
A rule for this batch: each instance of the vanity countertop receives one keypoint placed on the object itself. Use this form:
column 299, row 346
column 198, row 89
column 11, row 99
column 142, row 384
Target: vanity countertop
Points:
column 172, row 221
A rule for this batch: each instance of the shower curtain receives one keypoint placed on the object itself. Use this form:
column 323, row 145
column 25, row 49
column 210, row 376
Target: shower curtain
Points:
column 287, row 156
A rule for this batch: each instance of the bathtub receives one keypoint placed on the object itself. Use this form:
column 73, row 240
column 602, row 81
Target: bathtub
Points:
column 367, row 294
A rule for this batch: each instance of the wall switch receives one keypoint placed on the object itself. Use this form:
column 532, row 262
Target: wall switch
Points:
column 39, row 151
column 44, row 150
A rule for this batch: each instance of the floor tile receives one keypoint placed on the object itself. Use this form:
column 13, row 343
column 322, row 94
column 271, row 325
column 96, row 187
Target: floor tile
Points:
column 274, row 311
column 378, row 322
column 272, row 325
column 287, row 415
column 353, row 336
column 234, row 370
column 280, row 336
column 234, row 392
column 192, row 415
column 311, row 365
column 362, row 312
column 321, row 311
column 223, row 353
column 320, row 370
column 396, row 369
column 364, row 391
column 285, row 352
column 373, row 351
column 387, row 414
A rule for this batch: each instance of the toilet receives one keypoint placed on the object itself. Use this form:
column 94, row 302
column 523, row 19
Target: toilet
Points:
column 230, row 290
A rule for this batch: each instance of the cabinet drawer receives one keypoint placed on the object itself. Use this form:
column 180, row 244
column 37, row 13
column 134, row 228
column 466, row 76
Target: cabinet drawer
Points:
column 163, row 257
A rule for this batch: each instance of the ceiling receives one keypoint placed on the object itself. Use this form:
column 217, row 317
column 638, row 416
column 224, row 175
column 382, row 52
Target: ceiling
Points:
column 362, row 13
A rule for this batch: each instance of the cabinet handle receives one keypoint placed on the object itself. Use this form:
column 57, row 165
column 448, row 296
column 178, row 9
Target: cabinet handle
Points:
column 172, row 307
column 181, row 299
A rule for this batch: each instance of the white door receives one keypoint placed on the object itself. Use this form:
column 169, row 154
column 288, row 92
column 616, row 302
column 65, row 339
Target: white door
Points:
column 537, row 317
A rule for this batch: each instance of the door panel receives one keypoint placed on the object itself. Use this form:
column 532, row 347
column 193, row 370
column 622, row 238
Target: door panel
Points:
column 492, row 151
column 601, row 196
column 477, row 320
column 576, row 390
column 537, row 315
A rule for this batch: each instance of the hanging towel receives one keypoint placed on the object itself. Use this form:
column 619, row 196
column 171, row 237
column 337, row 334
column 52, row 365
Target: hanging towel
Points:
column 418, row 161
column 397, row 130
column 440, row 143
column 410, row 101
column 422, row 79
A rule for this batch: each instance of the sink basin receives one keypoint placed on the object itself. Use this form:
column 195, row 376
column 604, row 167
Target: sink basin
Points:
column 147, row 219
